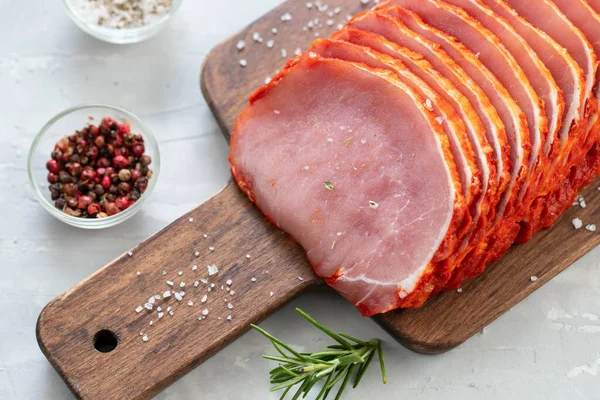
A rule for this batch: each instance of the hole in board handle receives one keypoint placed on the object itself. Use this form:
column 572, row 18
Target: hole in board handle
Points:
column 105, row 341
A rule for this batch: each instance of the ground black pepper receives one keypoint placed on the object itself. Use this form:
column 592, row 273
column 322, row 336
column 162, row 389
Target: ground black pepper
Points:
column 98, row 171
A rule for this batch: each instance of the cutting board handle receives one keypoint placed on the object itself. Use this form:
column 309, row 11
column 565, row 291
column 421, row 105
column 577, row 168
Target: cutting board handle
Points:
column 104, row 349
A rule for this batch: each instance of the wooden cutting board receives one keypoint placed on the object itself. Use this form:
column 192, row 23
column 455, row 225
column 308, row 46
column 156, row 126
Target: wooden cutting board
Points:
column 94, row 337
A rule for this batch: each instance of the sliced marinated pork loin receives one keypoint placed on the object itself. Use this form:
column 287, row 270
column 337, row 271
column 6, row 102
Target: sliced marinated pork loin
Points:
column 423, row 139
column 537, row 73
column 357, row 206
column 511, row 115
column 444, row 114
column 547, row 17
column 396, row 32
column 461, row 105
column 455, row 23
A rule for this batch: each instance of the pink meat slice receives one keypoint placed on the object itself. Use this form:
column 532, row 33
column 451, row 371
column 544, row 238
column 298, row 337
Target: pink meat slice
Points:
column 508, row 110
column 481, row 149
column 494, row 133
column 588, row 21
column 546, row 16
column 444, row 114
column 537, row 73
column 370, row 212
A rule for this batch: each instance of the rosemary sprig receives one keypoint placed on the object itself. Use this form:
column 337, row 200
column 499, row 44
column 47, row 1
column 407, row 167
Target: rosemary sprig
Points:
column 338, row 363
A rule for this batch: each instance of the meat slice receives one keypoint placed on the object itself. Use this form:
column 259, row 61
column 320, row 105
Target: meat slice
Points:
column 508, row 110
column 544, row 15
column 494, row 133
column 444, row 114
column 539, row 76
column 566, row 72
column 457, row 25
column 450, row 93
column 370, row 212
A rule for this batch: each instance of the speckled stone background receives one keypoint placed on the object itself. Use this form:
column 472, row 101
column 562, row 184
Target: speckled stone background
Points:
column 548, row 347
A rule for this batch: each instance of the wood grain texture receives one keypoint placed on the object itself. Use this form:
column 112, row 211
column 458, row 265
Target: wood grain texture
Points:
column 107, row 300
column 451, row 318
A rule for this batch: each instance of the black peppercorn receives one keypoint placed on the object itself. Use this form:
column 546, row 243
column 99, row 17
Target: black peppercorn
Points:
column 60, row 203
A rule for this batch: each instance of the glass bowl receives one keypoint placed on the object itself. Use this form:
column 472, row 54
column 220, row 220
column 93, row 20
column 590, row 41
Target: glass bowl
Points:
column 120, row 36
column 66, row 123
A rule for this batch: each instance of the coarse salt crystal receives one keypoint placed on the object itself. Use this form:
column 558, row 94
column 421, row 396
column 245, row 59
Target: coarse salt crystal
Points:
column 160, row 315
column 591, row 227
column 230, row 306
column 247, row 255
column 283, row 53
column 157, row 296
column 577, row 223
column 148, row 306
column 439, row 120
column 169, row 308
column 204, row 298
column 130, row 254
column 364, row 2
column 243, row 62
column 167, row 294
column 171, row 313
column 300, row 278
column 533, row 278
column 178, row 296
column 197, row 253
column 194, row 267
column 158, row 309
column 196, row 284
column 138, row 273
column 150, row 323
column 204, row 280
column 339, row 233
column 191, row 219
column 256, row 36
column 229, row 282
column 164, row 272
column 373, row 204
column 274, row 31
column 286, row 17
column 212, row 285
column 205, row 312
column 459, row 290
column 267, row 80
column 277, row 112
column 182, row 284
column 205, row 236
column 240, row 45
column 145, row 338
column 190, row 303
column 212, row 269
column 309, row 5
column 270, row 43
column 271, row 294
column 211, row 248
column 151, row 300
column 182, row 293
column 170, row 283
column 229, row 318
column 180, row 273
column 253, row 279
column 298, row 51
column 232, row 292
column 139, row 309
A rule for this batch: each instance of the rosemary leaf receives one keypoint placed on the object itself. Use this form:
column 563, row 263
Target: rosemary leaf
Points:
column 328, row 332
column 334, row 365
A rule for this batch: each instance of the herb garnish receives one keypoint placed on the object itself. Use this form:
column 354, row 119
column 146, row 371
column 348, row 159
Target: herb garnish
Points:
column 329, row 185
column 335, row 364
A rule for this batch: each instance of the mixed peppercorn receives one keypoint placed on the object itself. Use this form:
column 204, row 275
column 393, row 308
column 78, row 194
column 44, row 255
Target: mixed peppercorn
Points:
column 98, row 171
